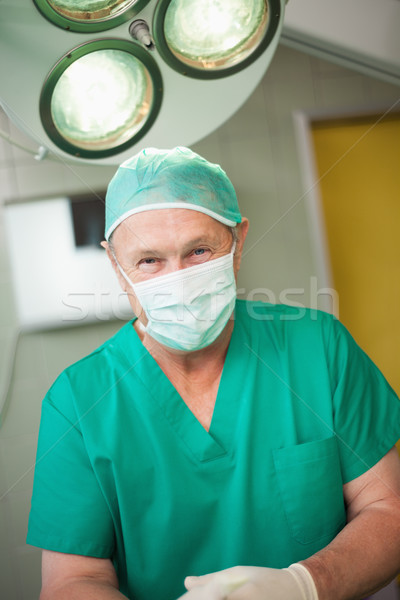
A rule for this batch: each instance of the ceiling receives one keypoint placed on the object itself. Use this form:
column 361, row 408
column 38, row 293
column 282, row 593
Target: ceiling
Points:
column 361, row 34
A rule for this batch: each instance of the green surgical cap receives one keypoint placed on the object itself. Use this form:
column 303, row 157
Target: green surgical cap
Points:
column 176, row 178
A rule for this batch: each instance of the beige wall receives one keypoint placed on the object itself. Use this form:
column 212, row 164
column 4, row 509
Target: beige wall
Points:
column 257, row 149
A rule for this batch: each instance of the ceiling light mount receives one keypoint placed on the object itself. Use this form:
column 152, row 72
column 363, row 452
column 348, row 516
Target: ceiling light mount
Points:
column 140, row 31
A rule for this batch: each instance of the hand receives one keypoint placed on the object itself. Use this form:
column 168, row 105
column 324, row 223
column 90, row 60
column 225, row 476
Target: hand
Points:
column 216, row 586
column 253, row 583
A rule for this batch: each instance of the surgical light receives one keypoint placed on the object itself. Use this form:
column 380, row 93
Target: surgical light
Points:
column 100, row 97
column 158, row 80
column 89, row 15
column 214, row 38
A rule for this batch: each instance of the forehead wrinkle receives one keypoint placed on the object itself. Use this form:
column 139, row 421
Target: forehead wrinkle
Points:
column 127, row 227
column 137, row 236
column 187, row 245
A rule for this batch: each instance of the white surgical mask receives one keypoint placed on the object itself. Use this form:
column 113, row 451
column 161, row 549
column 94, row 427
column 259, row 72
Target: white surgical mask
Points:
column 189, row 308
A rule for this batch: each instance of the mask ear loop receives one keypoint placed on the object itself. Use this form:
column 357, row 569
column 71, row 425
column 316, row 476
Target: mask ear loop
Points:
column 125, row 276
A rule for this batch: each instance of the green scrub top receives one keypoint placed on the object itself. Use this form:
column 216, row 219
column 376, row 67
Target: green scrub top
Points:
column 124, row 469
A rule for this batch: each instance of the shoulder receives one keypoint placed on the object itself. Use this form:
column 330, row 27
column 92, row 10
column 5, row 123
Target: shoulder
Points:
column 285, row 320
column 95, row 371
column 113, row 349
column 299, row 334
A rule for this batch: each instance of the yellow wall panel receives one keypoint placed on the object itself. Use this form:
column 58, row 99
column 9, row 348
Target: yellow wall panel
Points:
column 358, row 163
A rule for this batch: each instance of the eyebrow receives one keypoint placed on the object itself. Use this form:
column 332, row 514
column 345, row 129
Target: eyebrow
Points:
column 198, row 242
column 145, row 253
column 148, row 252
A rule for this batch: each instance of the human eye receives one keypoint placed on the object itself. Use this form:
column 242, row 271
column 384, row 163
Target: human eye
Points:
column 200, row 254
column 149, row 264
column 148, row 261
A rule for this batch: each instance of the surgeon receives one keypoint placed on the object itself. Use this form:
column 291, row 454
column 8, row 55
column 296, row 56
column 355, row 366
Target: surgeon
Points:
column 213, row 448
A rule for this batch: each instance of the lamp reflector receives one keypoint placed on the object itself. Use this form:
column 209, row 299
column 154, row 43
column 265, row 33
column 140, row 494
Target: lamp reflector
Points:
column 215, row 34
column 102, row 99
column 89, row 10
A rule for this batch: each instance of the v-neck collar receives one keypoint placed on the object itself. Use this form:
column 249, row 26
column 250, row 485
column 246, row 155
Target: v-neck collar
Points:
column 204, row 445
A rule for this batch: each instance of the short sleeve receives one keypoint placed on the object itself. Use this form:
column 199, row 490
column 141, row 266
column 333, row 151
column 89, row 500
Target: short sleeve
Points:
column 366, row 409
column 68, row 513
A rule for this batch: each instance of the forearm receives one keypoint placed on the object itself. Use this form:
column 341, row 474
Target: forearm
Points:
column 82, row 590
column 362, row 558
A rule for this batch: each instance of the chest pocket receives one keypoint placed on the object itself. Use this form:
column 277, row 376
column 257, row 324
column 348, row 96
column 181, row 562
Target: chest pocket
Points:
column 310, row 485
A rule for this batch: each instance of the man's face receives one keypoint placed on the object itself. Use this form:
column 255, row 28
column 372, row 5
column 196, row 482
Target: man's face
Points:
column 158, row 242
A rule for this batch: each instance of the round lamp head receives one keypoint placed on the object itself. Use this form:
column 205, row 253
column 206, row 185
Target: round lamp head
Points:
column 214, row 38
column 101, row 98
column 89, row 15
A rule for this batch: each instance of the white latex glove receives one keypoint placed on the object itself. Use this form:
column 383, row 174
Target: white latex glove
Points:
column 253, row 583
column 217, row 588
